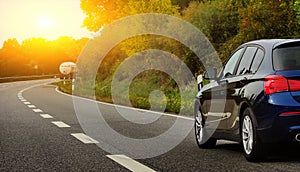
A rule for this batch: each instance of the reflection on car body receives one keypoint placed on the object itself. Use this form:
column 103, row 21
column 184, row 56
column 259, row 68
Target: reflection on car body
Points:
column 260, row 87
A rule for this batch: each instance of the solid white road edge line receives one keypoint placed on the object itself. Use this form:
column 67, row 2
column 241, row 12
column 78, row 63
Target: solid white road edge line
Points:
column 47, row 116
column 27, row 88
column 37, row 85
column 60, row 124
column 126, row 107
column 84, row 138
column 129, row 163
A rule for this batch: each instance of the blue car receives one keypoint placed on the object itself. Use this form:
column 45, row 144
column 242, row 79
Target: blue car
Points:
column 254, row 99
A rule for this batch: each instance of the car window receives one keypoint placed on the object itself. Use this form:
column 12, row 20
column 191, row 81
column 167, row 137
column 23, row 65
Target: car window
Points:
column 286, row 58
column 231, row 64
column 244, row 66
column 259, row 56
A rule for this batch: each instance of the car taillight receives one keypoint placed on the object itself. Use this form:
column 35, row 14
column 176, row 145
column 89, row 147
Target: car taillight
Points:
column 277, row 83
column 294, row 85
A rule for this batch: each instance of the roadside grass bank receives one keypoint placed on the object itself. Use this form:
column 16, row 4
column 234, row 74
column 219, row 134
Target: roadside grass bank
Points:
column 148, row 94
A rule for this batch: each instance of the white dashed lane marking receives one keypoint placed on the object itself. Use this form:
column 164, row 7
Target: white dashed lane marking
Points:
column 37, row 110
column 60, row 124
column 47, row 116
column 84, row 138
column 31, row 106
column 129, row 163
column 123, row 160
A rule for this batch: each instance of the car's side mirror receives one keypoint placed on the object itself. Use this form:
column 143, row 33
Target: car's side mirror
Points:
column 210, row 74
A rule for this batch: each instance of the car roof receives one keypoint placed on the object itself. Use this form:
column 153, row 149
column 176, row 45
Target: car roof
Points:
column 271, row 43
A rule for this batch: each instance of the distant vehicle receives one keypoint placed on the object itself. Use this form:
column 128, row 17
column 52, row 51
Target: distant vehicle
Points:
column 67, row 70
column 261, row 85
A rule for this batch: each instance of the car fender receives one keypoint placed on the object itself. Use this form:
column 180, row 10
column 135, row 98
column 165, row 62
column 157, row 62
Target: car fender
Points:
column 243, row 105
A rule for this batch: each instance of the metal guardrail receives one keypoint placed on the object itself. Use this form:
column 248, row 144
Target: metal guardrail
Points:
column 25, row 78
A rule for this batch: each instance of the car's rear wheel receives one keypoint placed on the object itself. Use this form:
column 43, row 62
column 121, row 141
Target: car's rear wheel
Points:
column 254, row 148
column 201, row 134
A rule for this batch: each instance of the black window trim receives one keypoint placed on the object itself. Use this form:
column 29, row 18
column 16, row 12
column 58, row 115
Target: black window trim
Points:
column 258, row 47
column 235, row 73
column 260, row 61
column 237, row 64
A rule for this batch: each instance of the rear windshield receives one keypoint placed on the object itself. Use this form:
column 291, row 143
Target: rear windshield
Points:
column 286, row 58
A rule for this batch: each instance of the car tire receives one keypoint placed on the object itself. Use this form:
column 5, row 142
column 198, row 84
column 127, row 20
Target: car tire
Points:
column 254, row 148
column 201, row 134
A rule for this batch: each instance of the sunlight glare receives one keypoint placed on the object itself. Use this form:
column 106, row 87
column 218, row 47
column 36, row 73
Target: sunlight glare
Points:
column 49, row 19
column 45, row 22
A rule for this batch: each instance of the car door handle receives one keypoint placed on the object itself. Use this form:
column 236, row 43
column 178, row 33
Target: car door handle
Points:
column 244, row 80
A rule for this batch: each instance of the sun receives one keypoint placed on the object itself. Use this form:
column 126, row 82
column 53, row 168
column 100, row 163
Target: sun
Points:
column 49, row 19
column 45, row 22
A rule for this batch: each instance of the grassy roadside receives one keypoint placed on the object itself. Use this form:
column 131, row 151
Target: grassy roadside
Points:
column 65, row 88
column 165, row 98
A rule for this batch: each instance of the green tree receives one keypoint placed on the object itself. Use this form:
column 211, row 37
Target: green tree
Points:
column 297, row 9
column 102, row 12
column 22, row 59
column 263, row 19
column 268, row 19
column 10, row 58
column 229, row 23
column 217, row 19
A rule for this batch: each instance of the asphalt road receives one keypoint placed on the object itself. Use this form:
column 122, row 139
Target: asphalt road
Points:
column 40, row 131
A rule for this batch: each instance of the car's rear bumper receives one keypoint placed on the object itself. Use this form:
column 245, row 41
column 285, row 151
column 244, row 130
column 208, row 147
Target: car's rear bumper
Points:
column 284, row 129
column 275, row 123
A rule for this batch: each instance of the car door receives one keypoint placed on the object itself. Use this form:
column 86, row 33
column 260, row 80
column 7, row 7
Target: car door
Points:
column 223, row 98
column 215, row 105
column 240, row 78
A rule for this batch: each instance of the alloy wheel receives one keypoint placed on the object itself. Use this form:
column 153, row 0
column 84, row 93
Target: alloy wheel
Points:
column 247, row 134
column 199, row 127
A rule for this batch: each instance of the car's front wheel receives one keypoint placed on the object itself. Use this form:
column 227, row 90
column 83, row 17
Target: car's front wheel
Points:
column 201, row 134
column 254, row 148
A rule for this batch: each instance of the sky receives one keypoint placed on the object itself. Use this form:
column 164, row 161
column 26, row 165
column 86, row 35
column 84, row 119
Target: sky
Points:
column 50, row 19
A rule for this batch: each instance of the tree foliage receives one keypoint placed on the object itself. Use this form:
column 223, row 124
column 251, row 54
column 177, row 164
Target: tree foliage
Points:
column 38, row 55
column 218, row 19
column 102, row 12
column 226, row 23
column 263, row 19
column 229, row 23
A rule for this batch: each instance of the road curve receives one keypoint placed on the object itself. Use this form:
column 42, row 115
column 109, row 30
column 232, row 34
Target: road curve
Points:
column 39, row 131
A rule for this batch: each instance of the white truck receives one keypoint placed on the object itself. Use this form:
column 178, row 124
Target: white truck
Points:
column 67, row 70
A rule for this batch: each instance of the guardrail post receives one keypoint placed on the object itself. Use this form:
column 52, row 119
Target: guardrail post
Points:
column 200, row 82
